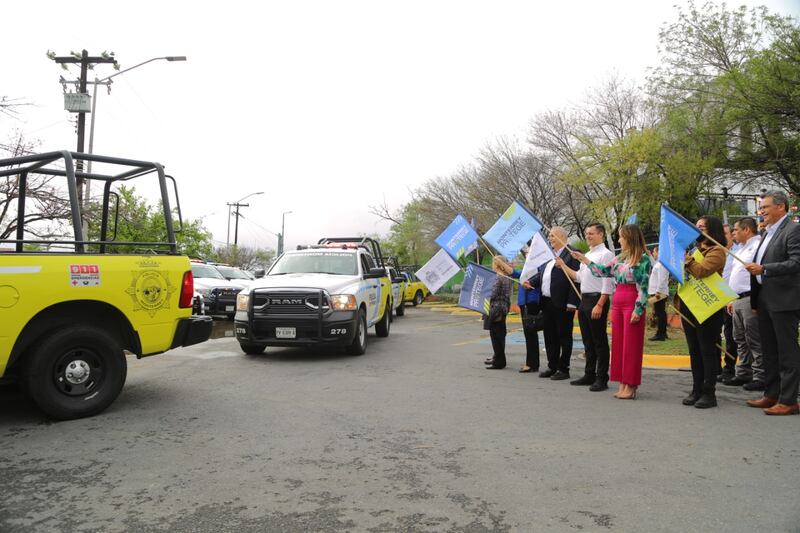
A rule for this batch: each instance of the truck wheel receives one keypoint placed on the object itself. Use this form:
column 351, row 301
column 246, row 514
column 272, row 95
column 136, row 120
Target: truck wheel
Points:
column 75, row 372
column 401, row 309
column 385, row 323
column 418, row 298
column 359, row 345
column 252, row 348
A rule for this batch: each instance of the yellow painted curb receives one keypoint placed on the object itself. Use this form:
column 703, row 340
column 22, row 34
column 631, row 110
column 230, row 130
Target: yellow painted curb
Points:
column 670, row 362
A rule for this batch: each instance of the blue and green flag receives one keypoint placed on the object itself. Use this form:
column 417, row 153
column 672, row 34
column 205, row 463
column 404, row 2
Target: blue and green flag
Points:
column 458, row 239
column 512, row 230
column 476, row 290
column 677, row 234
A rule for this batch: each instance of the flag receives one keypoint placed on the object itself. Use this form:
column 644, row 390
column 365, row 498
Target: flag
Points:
column 438, row 270
column 512, row 230
column 677, row 234
column 477, row 288
column 457, row 238
column 706, row 296
column 474, row 246
column 539, row 253
column 633, row 218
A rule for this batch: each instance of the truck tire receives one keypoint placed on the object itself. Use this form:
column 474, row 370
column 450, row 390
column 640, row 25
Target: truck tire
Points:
column 252, row 348
column 359, row 345
column 418, row 298
column 383, row 326
column 401, row 309
column 75, row 372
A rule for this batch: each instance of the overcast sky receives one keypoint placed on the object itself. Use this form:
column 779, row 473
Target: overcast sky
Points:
column 326, row 106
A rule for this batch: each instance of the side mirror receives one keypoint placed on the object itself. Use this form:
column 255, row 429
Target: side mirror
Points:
column 375, row 273
column 259, row 273
column 399, row 279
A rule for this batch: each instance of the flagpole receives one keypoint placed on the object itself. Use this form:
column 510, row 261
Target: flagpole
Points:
column 727, row 251
column 695, row 327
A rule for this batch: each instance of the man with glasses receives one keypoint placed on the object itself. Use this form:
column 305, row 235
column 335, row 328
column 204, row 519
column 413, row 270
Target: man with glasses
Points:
column 775, row 296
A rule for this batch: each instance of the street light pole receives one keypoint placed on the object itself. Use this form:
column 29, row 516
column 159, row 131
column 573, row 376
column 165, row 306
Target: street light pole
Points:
column 283, row 232
column 107, row 82
column 237, row 204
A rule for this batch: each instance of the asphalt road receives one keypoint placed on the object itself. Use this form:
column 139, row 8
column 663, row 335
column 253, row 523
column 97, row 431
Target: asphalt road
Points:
column 413, row 436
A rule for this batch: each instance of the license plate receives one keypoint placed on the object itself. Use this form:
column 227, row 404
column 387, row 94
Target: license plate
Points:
column 285, row 333
column 228, row 308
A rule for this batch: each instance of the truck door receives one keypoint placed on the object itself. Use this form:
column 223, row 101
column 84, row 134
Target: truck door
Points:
column 372, row 291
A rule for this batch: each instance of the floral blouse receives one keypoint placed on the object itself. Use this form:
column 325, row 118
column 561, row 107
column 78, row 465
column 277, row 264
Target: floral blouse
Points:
column 624, row 274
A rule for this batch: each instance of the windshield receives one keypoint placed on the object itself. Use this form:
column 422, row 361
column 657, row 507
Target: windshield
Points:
column 205, row 271
column 232, row 273
column 341, row 263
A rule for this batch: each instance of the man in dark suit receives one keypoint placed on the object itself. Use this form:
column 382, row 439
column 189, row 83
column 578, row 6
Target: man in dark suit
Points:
column 559, row 301
column 775, row 296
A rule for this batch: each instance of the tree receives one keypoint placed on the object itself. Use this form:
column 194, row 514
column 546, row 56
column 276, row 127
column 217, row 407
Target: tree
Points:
column 142, row 222
column 46, row 209
column 737, row 73
column 244, row 257
column 407, row 239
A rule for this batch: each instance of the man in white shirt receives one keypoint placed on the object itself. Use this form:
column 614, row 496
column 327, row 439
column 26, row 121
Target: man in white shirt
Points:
column 658, row 290
column 750, row 368
column 593, row 311
column 730, row 355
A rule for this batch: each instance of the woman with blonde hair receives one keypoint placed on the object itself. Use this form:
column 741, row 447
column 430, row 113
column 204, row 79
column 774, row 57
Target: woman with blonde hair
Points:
column 631, row 270
column 499, row 303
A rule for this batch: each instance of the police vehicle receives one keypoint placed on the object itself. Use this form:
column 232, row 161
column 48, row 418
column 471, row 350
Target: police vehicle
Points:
column 326, row 294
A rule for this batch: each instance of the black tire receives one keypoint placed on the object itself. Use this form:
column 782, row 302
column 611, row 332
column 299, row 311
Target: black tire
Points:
column 418, row 298
column 401, row 309
column 383, row 326
column 359, row 345
column 252, row 348
column 75, row 372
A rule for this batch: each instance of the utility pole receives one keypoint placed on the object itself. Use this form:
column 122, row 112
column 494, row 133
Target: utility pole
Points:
column 84, row 60
column 236, row 230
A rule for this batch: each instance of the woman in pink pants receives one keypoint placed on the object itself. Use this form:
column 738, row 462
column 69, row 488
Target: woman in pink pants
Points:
column 631, row 270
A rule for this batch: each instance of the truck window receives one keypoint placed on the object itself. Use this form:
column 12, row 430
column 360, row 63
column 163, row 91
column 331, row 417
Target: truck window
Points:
column 320, row 262
column 370, row 262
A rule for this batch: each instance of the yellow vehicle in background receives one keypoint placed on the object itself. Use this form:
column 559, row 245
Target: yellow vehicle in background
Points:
column 69, row 307
column 416, row 291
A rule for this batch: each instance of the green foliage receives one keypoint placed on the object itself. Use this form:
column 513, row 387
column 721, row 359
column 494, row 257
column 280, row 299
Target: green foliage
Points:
column 406, row 239
column 143, row 222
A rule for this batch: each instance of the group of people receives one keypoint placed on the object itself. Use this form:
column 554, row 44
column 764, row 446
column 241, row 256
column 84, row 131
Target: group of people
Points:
column 761, row 351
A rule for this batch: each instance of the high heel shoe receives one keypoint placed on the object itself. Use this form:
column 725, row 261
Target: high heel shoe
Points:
column 631, row 396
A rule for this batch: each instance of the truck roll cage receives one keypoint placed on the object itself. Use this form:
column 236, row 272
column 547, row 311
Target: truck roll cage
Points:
column 45, row 164
column 370, row 245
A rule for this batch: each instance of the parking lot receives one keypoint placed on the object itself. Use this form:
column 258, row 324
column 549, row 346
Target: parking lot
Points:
column 414, row 435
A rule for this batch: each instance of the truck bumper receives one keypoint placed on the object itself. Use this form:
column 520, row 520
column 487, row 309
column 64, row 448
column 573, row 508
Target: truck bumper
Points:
column 336, row 328
column 192, row 330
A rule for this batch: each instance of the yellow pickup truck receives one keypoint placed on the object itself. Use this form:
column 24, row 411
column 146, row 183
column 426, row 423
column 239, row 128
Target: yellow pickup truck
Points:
column 69, row 307
column 415, row 291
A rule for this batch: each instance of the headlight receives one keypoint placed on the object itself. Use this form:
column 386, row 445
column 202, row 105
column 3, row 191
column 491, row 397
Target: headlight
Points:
column 242, row 300
column 343, row 302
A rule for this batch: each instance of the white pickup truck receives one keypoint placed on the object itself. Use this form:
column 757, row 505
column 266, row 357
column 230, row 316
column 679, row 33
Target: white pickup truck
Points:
column 327, row 294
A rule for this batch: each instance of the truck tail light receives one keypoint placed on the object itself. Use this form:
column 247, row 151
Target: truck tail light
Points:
column 187, row 290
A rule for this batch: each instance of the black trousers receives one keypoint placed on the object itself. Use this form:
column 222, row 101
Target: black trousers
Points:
column 703, row 352
column 660, row 312
column 781, row 352
column 557, row 334
column 497, row 332
column 531, row 337
column 731, row 350
column 595, row 337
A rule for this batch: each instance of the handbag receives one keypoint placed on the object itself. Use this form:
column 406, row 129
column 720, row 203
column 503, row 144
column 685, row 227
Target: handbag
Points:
column 533, row 322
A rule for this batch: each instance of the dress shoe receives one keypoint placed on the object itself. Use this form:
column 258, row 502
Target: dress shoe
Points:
column 489, row 361
column 656, row 338
column 692, row 398
column 495, row 367
column 723, row 376
column 754, row 386
column 559, row 375
column 547, row 373
column 706, row 400
column 585, row 380
column 781, row 409
column 762, row 403
column 735, row 381
column 599, row 385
